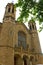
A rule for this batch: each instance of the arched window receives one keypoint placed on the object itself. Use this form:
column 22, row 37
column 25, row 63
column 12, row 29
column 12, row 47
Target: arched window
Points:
column 22, row 39
column 33, row 26
column 30, row 27
column 8, row 9
column 13, row 10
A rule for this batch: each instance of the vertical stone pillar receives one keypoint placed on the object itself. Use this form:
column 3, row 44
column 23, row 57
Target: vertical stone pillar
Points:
column 28, row 63
column 11, row 9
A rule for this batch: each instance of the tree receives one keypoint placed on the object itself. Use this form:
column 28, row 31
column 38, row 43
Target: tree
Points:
column 32, row 8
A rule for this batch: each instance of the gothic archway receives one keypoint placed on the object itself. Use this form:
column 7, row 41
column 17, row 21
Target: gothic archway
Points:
column 32, row 60
column 25, row 60
column 17, row 59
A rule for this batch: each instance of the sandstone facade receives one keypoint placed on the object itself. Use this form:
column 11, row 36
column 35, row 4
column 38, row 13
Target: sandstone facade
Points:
column 18, row 44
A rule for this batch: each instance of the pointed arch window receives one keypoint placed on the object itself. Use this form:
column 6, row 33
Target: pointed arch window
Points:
column 22, row 39
column 30, row 27
column 9, row 9
column 13, row 9
column 33, row 26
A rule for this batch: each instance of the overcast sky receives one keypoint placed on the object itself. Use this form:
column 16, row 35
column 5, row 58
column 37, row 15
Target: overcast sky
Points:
column 3, row 4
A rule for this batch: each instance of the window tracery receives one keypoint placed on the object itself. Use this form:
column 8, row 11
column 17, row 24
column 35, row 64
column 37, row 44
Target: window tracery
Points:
column 22, row 39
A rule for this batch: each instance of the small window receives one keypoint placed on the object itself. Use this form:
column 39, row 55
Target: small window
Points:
column 33, row 26
column 13, row 10
column 9, row 10
column 30, row 27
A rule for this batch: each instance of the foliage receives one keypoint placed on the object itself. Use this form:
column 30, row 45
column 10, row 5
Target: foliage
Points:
column 32, row 8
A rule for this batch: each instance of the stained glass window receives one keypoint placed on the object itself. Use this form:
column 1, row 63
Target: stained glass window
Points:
column 22, row 39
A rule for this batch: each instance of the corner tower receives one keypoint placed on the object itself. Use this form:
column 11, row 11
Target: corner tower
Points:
column 10, row 12
column 34, row 38
column 7, row 34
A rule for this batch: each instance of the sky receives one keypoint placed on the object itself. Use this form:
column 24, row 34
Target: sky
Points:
column 3, row 4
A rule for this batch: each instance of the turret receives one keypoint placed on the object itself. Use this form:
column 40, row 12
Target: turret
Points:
column 34, row 37
column 10, row 12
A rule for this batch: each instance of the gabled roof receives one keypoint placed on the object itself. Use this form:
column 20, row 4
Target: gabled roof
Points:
column 17, row 23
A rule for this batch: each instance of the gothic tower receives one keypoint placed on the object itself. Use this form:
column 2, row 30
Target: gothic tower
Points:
column 34, row 37
column 18, row 44
column 10, row 12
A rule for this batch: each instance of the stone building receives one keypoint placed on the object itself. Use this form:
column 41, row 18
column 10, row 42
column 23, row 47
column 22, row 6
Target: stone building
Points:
column 18, row 44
